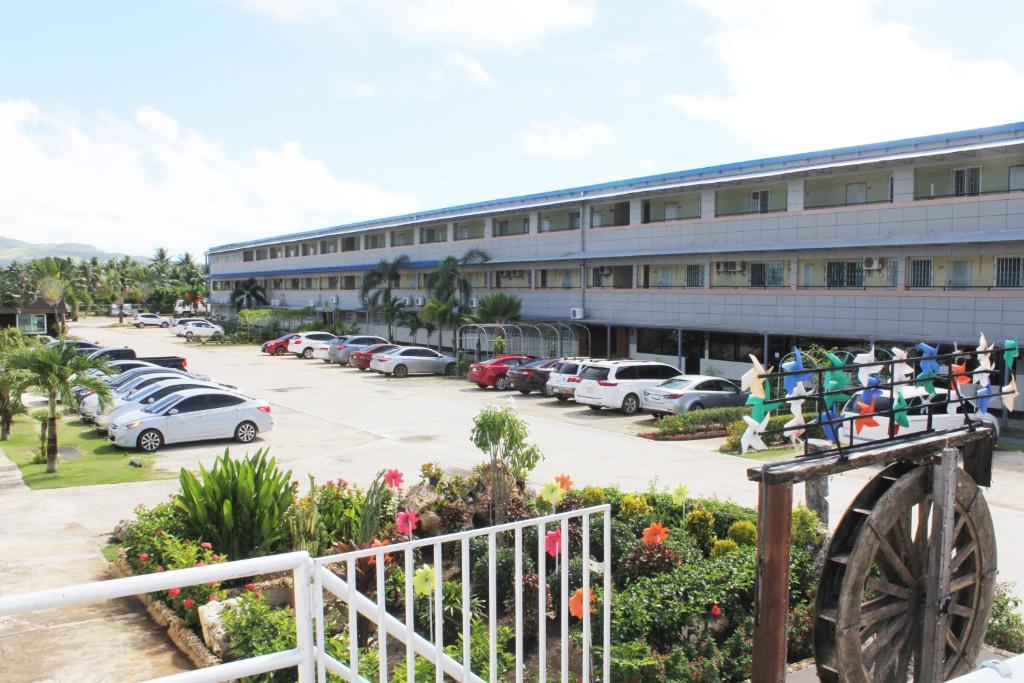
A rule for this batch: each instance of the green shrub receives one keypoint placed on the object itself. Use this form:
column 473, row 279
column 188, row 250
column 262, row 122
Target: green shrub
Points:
column 698, row 421
column 736, row 429
column 255, row 628
column 241, row 506
column 479, row 655
column 174, row 553
column 648, row 560
column 800, row 632
column 592, row 495
column 723, row 547
column 634, row 662
column 1006, row 626
column 806, row 531
column 700, row 524
column 743, row 532
column 504, row 570
column 451, row 606
column 144, row 533
column 726, row 513
column 633, row 505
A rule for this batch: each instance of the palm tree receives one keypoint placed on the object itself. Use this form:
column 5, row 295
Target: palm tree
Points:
column 12, row 381
column 430, row 328
column 122, row 277
column 50, row 371
column 375, row 292
column 391, row 311
column 193, row 290
column 443, row 313
column 498, row 308
column 449, row 285
column 248, row 294
column 413, row 323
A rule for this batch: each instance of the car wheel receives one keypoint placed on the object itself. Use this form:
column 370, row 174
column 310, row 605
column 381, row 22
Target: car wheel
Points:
column 524, row 392
column 138, row 326
column 630, row 404
column 362, row 369
column 307, row 353
column 400, row 371
column 188, row 336
column 595, row 408
column 695, row 406
column 279, row 351
column 501, row 384
column 216, row 336
column 245, row 432
column 562, row 399
column 150, row 441
column 449, row 370
column 165, row 324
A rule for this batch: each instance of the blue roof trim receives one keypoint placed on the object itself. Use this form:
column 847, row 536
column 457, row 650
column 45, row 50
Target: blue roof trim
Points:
column 314, row 269
column 639, row 181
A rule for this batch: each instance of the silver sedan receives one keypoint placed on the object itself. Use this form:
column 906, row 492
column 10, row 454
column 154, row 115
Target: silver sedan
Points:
column 692, row 392
column 406, row 360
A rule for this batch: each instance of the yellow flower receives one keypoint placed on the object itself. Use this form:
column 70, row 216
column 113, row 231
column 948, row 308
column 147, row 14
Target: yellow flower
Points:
column 423, row 580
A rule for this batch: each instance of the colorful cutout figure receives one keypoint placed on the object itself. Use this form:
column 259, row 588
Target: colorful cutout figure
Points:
column 825, row 419
column 928, row 362
column 680, row 494
column 927, row 380
column 900, row 369
column 1010, row 352
column 751, row 379
column 752, row 436
column 866, row 410
column 868, row 369
column 984, row 397
column 959, row 372
column 790, row 382
column 900, row 410
column 759, row 408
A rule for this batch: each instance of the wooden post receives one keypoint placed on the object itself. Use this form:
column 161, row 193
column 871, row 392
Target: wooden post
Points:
column 771, row 601
column 936, row 616
column 816, row 494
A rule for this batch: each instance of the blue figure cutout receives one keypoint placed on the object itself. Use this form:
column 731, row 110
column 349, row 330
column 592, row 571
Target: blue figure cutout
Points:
column 928, row 362
column 790, row 381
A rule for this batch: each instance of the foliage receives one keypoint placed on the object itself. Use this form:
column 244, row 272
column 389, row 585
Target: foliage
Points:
column 504, row 570
column 12, row 380
column 479, row 657
column 304, row 522
column 248, row 293
column 648, row 560
column 592, row 495
column 143, row 534
column 501, row 434
column 431, row 470
column 241, row 506
column 723, row 547
column 806, row 531
column 175, row 553
column 255, row 628
column 743, row 532
column 1006, row 625
column 700, row 524
column 633, row 505
column 454, row 515
column 698, row 421
column 351, row 516
column 736, row 429
column 498, row 307
column 800, row 631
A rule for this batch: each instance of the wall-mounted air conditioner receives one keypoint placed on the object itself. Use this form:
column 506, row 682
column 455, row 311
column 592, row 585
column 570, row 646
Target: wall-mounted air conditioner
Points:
column 575, row 314
column 873, row 263
column 274, row 303
column 332, row 300
column 406, row 301
column 418, row 301
column 730, row 266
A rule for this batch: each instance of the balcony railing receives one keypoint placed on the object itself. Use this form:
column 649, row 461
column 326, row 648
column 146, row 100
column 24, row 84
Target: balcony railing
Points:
column 980, row 193
column 842, row 204
column 747, row 212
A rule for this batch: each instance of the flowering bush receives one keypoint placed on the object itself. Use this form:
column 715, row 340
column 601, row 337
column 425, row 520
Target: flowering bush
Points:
column 648, row 560
column 633, row 505
column 174, row 553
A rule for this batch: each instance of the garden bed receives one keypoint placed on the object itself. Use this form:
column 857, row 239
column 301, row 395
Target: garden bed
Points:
column 711, row 434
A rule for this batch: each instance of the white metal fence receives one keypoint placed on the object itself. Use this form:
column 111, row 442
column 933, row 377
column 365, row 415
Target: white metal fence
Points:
column 314, row 579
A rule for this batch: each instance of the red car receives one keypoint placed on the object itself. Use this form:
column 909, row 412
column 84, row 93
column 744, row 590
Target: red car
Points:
column 361, row 359
column 279, row 346
column 493, row 371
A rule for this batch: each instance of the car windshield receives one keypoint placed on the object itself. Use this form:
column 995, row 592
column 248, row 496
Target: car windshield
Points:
column 676, row 384
column 567, row 368
column 535, row 363
column 162, row 404
column 594, row 372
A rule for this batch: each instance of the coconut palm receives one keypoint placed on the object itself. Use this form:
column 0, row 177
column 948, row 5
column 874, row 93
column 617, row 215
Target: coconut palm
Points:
column 449, row 284
column 12, row 381
column 248, row 294
column 414, row 324
column 443, row 313
column 375, row 292
column 498, row 308
column 391, row 311
column 122, row 277
column 54, row 371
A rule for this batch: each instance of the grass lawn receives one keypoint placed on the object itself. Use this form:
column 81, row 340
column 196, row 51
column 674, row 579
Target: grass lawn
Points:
column 100, row 463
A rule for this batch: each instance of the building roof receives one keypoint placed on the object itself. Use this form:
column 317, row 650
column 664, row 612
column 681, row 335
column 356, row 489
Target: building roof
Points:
column 40, row 305
column 976, row 138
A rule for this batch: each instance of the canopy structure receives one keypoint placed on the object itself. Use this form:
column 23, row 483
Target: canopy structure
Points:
column 527, row 338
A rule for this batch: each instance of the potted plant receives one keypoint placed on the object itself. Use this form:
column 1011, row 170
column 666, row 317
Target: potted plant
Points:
column 432, row 472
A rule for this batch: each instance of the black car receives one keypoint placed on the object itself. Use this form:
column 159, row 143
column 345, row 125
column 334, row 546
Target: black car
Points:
column 82, row 347
column 531, row 376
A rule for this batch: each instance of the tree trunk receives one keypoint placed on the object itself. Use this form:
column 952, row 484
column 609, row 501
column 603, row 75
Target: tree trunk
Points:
column 5, row 425
column 51, row 437
column 120, row 307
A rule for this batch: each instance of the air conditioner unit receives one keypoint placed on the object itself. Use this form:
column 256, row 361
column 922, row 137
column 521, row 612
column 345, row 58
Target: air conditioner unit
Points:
column 472, row 302
column 575, row 314
column 605, row 271
column 873, row 263
column 332, row 300
column 274, row 303
column 406, row 301
column 311, row 303
column 730, row 266
column 418, row 301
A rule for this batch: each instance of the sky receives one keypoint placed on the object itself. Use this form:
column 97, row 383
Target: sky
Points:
column 190, row 123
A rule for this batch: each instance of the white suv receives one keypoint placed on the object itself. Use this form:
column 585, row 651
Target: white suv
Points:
column 619, row 384
column 143, row 319
column 306, row 343
column 563, row 378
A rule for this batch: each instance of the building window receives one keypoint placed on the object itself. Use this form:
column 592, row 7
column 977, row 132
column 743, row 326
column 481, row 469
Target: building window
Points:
column 247, row 256
column 375, row 241
column 332, row 282
column 1016, row 179
column 759, row 201
column 694, row 276
column 856, row 193
column 1009, row 271
column 328, row 246
column 274, row 252
column 348, row 282
column 291, row 251
column 309, row 249
column 278, row 283
column 672, row 212
column 665, row 277
column 967, row 181
column 294, row 283
column 920, row 273
column 32, row 323
column 660, row 341
column 307, row 283
column 844, row 274
column 807, row 279
column 960, row 274
column 574, row 220
column 766, row 274
column 892, row 273
column 349, row 243
column 434, row 234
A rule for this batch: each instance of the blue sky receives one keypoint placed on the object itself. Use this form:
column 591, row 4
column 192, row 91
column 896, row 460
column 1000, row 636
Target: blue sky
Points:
column 197, row 122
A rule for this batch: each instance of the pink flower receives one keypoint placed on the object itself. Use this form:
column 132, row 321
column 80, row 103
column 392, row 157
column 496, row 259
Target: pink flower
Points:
column 393, row 478
column 207, row 545
column 143, row 557
column 406, row 522
column 250, row 586
column 330, row 482
column 200, row 563
column 213, row 598
column 553, row 542
column 159, row 532
column 215, row 557
column 188, row 603
column 174, row 592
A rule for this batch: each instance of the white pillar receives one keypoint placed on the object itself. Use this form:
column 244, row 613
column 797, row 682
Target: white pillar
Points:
column 488, row 227
column 707, row 203
column 451, row 231
column 534, row 222
column 795, row 195
column 636, row 211
column 903, row 184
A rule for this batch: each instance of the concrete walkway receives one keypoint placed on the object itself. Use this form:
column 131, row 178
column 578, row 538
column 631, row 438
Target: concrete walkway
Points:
column 43, row 545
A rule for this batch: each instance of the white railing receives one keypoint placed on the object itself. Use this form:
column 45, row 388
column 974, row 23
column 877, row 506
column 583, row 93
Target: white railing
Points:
column 403, row 630
column 311, row 577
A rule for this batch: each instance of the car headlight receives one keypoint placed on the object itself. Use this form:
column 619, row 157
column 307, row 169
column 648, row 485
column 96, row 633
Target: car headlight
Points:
column 133, row 425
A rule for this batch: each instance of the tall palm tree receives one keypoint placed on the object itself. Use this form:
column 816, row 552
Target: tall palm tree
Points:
column 443, row 313
column 53, row 371
column 12, row 380
column 122, row 277
column 430, row 328
column 498, row 308
column 391, row 311
column 248, row 294
column 193, row 290
column 413, row 323
column 449, row 284
column 375, row 292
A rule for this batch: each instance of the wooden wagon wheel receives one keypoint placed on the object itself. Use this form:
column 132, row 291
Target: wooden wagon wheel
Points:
column 872, row 593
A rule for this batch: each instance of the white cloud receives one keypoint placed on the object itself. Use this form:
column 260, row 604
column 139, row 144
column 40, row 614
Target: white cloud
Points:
column 470, row 68
column 567, row 138
column 131, row 185
column 504, row 25
column 361, row 90
column 804, row 73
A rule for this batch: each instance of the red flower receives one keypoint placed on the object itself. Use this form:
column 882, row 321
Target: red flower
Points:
column 716, row 611
column 250, row 586
column 393, row 478
column 174, row 592
column 189, row 603
column 207, row 545
column 655, row 534
column 143, row 557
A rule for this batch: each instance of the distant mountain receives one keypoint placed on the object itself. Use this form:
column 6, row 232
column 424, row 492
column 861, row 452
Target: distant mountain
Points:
column 16, row 250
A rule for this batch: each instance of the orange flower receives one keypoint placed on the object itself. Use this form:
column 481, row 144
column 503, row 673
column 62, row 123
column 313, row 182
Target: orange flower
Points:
column 564, row 481
column 655, row 534
column 576, row 603
column 377, row 543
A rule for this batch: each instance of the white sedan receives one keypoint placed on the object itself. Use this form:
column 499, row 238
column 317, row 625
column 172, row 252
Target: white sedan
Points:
column 200, row 328
column 148, row 395
column 192, row 415
column 141, row 320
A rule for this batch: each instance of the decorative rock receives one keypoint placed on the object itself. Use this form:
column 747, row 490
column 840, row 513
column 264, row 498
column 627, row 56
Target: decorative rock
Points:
column 212, row 622
column 135, row 462
column 430, row 524
column 419, row 497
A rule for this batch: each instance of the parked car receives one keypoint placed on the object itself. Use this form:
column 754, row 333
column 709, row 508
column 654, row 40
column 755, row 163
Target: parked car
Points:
column 494, row 371
column 200, row 328
column 142, row 396
column 407, row 360
column 89, row 403
column 141, row 320
column 919, row 405
column 564, row 376
column 619, row 384
column 128, row 309
column 322, row 351
column 279, row 346
column 340, row 353
column 305, row 343
column 192, row 415
column 361, row 359
column 80, row 346
column 532, row 376
column 692, row 392
column 177, row 323
column 124, row 353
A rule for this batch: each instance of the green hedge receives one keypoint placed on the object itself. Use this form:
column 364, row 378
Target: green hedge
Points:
column 736, row 429
column 697, row 421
